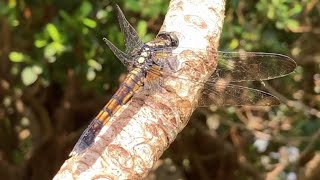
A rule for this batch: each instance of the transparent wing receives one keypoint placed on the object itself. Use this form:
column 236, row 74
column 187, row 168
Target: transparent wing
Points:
column 222, row 93
column 250, row 66
column 217, row 93
column 123, row 57
column 132, row 39
column 245, row 66
column 233, row 67
column 234, row 95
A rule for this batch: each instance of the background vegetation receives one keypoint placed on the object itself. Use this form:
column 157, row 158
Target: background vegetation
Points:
column 56, row 73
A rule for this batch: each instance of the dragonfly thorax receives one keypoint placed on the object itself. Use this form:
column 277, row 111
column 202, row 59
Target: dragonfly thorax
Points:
column 143, row 59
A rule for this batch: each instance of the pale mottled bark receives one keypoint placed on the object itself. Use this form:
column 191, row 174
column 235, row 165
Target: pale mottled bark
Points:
column 134, row 139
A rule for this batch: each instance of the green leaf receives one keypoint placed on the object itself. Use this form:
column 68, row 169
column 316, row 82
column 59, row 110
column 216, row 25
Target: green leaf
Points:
column 132, row 5
column 89, row 22
column 84, row 30
column 142, row 28
column 234, row 44
column 16, row 56
column 102, row 14
column 14, row 23
column 49, row 51
column 39, row 43
column 280, row 25
column 60, row 48
column 4, row 9
column 292, row 24
column 271, row 13
column 53, row 48
column 12, row 3
column 91, row 74
column 37, row 69
column 53, row 32
column 28, row 76
column 85, row 9
column 94, row 64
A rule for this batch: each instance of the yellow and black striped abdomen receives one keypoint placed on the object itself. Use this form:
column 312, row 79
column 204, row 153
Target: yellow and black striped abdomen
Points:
column 128, row 88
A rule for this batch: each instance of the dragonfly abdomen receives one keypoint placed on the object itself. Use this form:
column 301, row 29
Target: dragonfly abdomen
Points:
column 132, row 84
column 129, row 87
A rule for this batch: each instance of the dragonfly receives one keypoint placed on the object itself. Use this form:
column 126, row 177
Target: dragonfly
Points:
column 148, row 59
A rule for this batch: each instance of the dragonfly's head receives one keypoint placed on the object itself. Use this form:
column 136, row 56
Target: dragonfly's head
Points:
column 171, row 37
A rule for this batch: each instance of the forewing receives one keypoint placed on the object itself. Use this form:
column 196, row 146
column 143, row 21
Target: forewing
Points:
column 252, row 66
column 235, row 66
column 132, row 39
column 123, row 57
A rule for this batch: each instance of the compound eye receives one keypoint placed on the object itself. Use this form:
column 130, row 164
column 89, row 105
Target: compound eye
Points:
column 163, row 35
column 174, row 40
column 171, row 36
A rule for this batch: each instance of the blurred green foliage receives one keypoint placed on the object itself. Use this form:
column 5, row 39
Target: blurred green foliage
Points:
column 69, row 36
column 53, row 61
